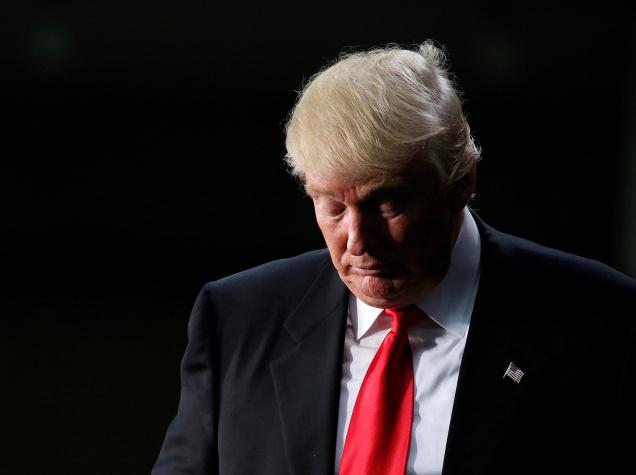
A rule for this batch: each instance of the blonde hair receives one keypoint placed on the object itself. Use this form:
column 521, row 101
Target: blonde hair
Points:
column 374, row 113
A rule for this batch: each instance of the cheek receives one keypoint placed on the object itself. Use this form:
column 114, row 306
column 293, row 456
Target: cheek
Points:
column 416, row 241
column 403, row 235
column 333, row 238
column 432, row 248
column 399, row 231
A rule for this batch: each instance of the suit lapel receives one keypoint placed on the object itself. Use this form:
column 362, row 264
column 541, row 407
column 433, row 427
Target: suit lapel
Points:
column 307, row 378
column 486, row 402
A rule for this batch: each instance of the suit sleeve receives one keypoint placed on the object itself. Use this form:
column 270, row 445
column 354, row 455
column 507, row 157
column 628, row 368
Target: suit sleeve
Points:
column 190, row 445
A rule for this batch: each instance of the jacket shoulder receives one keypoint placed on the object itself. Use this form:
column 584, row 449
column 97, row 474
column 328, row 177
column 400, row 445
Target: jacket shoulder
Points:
column 292, row 272
column 274, row 287
column 548, row 263
column 556, row 275
column 581, row 271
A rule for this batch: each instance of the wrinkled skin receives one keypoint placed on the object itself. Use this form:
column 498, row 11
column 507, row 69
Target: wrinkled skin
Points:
column 390, row 240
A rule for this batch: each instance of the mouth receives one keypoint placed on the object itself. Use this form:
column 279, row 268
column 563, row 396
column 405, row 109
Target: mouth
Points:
column 374, row 269
column 370, row 271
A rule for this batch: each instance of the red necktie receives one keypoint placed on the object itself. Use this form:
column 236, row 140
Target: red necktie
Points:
column 379, row 433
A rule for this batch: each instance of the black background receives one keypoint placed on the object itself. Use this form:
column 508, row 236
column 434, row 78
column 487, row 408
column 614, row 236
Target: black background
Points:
column 141, row 157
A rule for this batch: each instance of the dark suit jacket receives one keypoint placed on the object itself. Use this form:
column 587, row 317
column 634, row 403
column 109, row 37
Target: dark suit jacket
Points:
column 261, row 372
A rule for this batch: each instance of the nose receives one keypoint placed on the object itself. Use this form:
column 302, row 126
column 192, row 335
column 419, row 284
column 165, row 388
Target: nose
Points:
column 359, row 233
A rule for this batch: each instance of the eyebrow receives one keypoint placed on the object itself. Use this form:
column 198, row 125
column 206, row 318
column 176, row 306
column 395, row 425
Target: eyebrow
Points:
column 317, row 191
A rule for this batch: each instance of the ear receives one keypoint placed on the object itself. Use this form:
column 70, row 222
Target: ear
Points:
column 464, row 189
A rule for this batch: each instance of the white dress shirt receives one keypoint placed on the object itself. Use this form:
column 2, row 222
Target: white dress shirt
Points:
column 437, row 345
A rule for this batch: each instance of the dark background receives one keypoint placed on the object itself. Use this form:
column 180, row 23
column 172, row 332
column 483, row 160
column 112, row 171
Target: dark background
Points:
column 141, row 157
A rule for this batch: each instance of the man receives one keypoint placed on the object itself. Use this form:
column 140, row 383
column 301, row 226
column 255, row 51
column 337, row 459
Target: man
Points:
column 515, row 358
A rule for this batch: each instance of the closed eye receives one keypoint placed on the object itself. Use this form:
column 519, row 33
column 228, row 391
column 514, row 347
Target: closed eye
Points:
column 389, row 202
column 329, row 207
column 390, row 208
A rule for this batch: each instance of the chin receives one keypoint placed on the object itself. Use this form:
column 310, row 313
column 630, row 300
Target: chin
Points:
column 382, row 292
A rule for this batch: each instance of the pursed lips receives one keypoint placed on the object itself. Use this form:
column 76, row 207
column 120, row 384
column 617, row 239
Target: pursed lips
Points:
column 369, row 269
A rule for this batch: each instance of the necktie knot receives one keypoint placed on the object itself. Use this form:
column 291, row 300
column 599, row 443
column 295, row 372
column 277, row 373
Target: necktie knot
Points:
column 402, row 318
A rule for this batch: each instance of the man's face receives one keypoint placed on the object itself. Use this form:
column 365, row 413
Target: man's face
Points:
column 390, row 240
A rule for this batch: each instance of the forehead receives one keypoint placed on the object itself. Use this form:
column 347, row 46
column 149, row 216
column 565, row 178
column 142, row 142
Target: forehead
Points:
column 406, row 181
column 334, row 186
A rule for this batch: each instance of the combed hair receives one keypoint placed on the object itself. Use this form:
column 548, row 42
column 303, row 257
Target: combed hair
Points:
column 374, row 113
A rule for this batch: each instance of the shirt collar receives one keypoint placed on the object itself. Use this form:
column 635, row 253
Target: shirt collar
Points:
column 449, row 304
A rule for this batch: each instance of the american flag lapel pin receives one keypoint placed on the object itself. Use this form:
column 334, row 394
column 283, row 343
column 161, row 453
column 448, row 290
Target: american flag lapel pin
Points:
column 513, row 372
